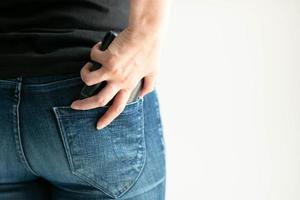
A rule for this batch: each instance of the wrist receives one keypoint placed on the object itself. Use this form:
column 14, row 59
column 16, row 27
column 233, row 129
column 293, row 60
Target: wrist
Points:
column 141, row 37
column 144, row 30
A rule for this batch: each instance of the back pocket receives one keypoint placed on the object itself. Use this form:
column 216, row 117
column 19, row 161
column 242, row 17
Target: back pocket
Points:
column 110, row 159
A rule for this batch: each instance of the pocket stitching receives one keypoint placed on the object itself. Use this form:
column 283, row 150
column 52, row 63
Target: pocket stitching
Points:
column 141, row 152
column 69, row 156
column 86, row 112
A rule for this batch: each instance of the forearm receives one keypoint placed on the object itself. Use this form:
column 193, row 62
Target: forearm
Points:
column 148, row 16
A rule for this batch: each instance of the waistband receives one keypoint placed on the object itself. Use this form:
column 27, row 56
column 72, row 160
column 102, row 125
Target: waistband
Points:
column 41, row 79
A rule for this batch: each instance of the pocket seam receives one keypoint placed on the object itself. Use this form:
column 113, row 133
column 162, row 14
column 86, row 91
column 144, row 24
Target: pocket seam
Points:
column 69, row 156
column 89, row 180
column 68, row 107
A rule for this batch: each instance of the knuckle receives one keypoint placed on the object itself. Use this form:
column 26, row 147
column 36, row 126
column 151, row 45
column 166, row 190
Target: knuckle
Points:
column 93, row 53
column 89, row 82
column 113, row 65
column 82, row 73
column 100, row 101
column 122, row 81
column 110, row 61
column 85, row 80
column 126, row 80
column 116, row 71
column 86, row 75
column 113, row 87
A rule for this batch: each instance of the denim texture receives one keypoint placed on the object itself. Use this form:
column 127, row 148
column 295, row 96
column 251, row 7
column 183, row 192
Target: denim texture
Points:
column 50, row 151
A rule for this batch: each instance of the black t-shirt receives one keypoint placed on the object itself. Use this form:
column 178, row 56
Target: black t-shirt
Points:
column 43, row 37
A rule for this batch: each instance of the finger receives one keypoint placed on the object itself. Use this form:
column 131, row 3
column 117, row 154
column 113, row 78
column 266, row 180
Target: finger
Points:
column 114, row 110
column 92, row 77
column 96, row 53
column 110, row 59
column 148, row 85
column 106, row 58
column 106, row 94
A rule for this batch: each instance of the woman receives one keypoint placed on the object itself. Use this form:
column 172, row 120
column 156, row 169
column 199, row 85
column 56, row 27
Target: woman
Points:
column 50, row 147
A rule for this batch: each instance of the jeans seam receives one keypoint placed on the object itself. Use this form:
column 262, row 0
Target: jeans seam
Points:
column 17, row 131
column 160, row 181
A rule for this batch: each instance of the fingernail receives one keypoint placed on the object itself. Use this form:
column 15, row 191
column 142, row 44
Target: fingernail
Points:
column 100, row 126
column 73, row 105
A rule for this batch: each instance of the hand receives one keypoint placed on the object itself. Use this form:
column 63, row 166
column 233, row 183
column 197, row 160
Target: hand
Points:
column 131, row 57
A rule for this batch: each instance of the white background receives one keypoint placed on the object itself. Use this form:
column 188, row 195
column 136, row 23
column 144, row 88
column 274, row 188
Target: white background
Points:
column 229, row 90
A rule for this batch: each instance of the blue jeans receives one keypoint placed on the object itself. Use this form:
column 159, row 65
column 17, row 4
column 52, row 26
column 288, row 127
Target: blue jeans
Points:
column 50, row 151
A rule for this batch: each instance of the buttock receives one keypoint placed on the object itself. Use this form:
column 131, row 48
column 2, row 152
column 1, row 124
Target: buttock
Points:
column 63, row 146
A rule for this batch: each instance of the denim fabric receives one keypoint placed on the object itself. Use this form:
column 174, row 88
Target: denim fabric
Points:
column 50, row 151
